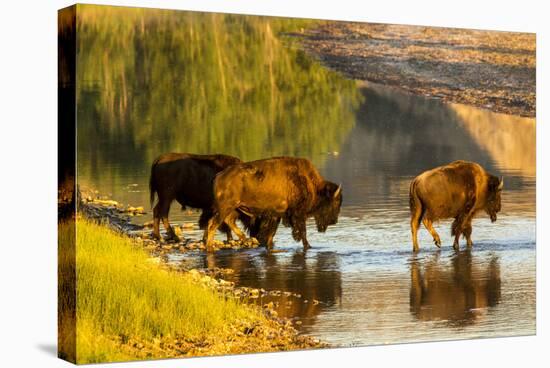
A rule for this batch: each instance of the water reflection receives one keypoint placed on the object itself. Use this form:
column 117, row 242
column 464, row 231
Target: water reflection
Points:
column 316, row 278
column 509, row 140
column 458, row 293
column 397, row 136
column 156, row 81
column 152, row 81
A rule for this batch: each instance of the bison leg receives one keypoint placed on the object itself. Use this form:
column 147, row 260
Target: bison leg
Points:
column 230, row 221
column 161, row 211
column 298, row 225
column 263, row 228
column 270, row 233
column 299, row 232
column 205, row 217
column 156, row 222
column 467, row 232
column 417, row 213
column 210, row 230
column 226, row 229
column 456, row 230
column 416, row 217
column 463, row 223
column 226, row 216
column 429, row 225
column 171, row 233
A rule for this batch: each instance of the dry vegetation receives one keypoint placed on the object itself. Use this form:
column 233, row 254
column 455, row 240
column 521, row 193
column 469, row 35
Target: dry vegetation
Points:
column 489, row 69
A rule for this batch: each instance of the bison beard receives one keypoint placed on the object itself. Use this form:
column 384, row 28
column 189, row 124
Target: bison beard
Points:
column 458, row 190
column 282, row 188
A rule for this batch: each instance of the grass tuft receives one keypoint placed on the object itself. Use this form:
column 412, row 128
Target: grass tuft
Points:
column 123, row 297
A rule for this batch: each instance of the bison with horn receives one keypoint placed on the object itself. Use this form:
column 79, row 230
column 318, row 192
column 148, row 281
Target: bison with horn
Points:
column 286, row 188
column 458, row 190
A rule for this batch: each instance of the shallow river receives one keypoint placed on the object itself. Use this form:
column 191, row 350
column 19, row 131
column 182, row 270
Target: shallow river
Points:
column 361, row 281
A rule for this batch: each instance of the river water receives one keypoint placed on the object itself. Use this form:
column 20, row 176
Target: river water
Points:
column 257, row 95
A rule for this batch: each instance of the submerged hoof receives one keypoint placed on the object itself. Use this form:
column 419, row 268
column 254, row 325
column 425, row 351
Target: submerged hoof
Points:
column 173, row 238
column 437, row 242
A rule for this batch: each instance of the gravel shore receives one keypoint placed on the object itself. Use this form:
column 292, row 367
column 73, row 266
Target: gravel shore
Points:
column 488, row 69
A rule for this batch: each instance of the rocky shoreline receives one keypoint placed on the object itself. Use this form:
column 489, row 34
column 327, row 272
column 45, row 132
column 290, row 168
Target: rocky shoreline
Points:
column 119, row 218
column 277, row 334
column 487, row 69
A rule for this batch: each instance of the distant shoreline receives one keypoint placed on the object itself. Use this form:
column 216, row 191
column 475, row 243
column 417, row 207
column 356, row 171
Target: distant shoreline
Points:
column 487, row 69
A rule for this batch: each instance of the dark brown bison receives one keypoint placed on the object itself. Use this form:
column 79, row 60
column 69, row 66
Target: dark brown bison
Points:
column 284, row 188
column 188, row 179
column 458, row 190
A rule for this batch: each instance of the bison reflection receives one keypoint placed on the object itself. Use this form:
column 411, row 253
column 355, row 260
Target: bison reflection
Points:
column 457, row 294
column 316, row 278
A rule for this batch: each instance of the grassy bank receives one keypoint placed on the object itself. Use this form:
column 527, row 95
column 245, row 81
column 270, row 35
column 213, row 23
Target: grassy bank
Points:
column 131, row 308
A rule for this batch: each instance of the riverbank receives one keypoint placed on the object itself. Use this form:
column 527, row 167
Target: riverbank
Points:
column 119, row 218
column 487, row 69
column 130, row 306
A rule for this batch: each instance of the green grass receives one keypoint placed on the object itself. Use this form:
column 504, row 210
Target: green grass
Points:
column 122, row 295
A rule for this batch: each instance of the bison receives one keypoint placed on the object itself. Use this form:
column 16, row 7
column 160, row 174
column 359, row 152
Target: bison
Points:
column 458, row 190
column 286, row 188
column 188, row 179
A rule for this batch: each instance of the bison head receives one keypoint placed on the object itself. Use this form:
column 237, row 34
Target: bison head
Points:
column 328, row 206
column 494, row 190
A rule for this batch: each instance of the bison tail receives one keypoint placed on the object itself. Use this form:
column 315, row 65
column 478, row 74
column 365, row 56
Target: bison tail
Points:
column 415, row 204
column 152, row 186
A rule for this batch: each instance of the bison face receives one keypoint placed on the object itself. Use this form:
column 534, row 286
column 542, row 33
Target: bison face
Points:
column 493, row 197
column 328, row 208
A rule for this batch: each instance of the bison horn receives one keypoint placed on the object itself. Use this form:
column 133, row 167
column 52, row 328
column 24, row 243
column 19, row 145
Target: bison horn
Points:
column 500, row 183
column 338, row 190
